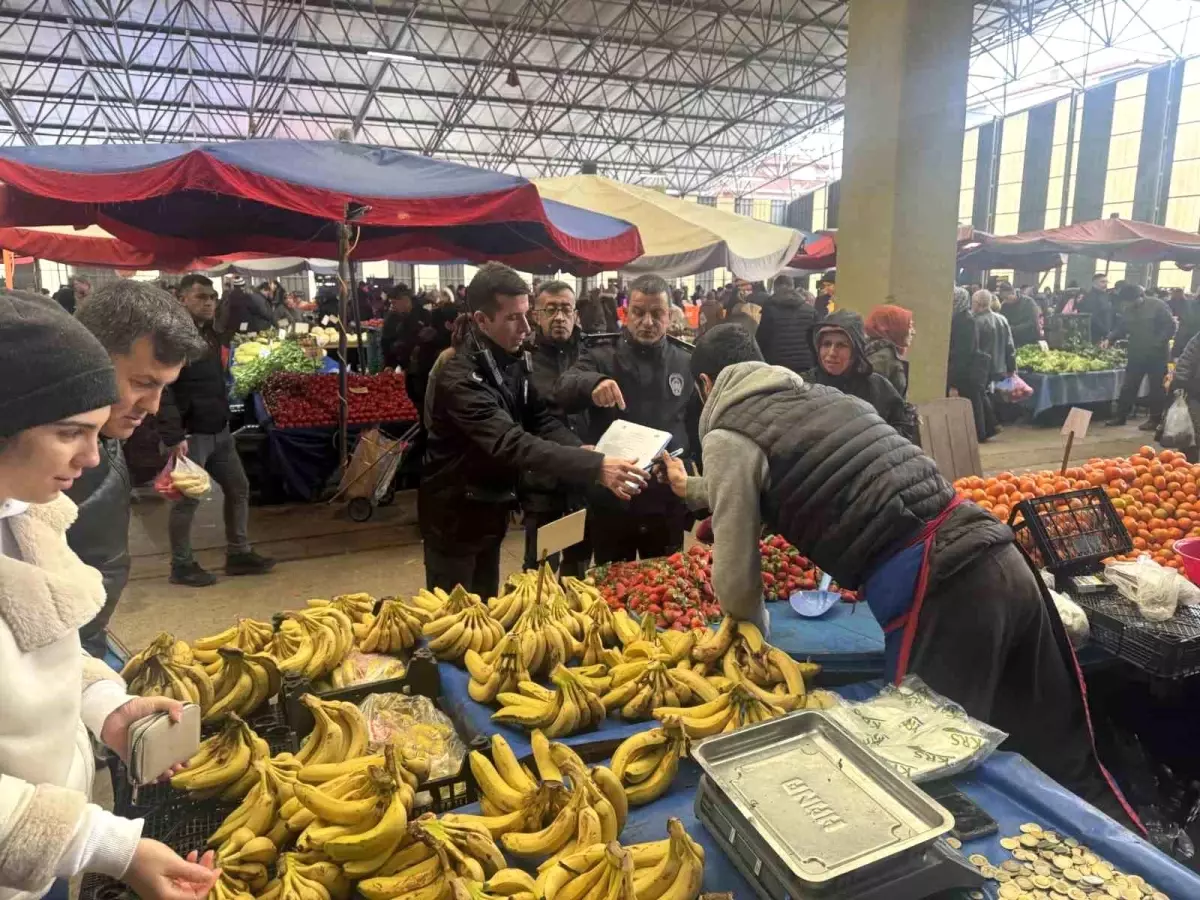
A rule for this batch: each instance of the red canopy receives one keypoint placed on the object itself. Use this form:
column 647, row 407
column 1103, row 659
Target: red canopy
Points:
column 96, row 247
column 1118, row 240
column 820, row 251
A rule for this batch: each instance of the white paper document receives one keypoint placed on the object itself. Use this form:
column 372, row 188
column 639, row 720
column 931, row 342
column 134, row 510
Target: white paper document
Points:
column 628, row 440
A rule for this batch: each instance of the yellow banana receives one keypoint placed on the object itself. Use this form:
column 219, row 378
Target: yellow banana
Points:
column 493, row 785
column 547, row 770
column 643, row 740
column 509, row 767
column 550, row 838
column 610, row 786
column 333, row 810
column 386, row 834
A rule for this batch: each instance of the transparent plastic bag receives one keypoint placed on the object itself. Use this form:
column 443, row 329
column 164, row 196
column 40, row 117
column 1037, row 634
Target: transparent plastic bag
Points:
column 1177, row 425
column 918, row 732
column 1074, row 619
column 414, row 725
column 180, row 478
column 364, row 668
column 1152, row 588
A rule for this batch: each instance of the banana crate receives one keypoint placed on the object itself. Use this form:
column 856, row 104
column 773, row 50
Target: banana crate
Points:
column 421, row 679
column 137, row 802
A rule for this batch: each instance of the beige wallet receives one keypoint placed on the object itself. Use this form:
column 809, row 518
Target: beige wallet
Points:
column 156, row 743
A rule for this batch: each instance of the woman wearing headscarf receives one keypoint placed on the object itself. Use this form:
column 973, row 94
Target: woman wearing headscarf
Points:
column 839, row 346
column 889, row 334
column 54, row 397
column 969, row 368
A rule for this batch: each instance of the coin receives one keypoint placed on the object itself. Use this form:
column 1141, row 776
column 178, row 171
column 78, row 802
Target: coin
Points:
column 1100, row 870
column 1071, row 874
column 1050, row 836
column 1002, row 876
column 976, row 895
column 1041, row 868
column 1010, row 843
column 1024, row 855
column 1112, row 890
column 1048, row 855
column 1076, row 894
column 978, row 860
column 954, row 842
column 1092, row 880
column 1041, row 882
column 1061, row 862
column 1008, row 891
column 1031, row 828
column 1129, row 892
column 987, row 871
column 1011, row 865
column 1029, row 840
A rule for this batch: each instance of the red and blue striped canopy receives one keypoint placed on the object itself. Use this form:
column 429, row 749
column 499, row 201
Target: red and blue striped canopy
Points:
column 284, row 198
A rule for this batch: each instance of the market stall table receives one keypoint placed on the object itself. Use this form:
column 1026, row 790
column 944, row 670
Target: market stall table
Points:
column 1072, row 388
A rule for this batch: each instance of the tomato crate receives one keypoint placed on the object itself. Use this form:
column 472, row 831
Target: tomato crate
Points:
column 420, row 680
column 1070, row 533
column 1168, row 649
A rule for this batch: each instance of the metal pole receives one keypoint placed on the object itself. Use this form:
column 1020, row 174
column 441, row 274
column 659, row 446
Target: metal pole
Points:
column 343, row 305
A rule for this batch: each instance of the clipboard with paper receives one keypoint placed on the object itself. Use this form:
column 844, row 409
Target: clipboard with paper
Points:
column 628, row 440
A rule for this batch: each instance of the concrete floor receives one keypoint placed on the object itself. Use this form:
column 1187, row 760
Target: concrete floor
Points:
column 322, row 553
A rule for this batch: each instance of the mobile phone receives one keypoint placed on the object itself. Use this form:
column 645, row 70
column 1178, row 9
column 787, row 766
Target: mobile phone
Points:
column 970, row 820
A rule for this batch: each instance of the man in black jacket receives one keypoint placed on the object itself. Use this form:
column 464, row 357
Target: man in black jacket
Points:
column 149, row 337
column 402, row 327
column 555, row 348
column 1148, row 325
column 194, row 423
column 785, row 328
column 248, row 311
column 1022, row 315
column 643, row 376
column 487, row 424
column 1097, row 304
column 870, row 509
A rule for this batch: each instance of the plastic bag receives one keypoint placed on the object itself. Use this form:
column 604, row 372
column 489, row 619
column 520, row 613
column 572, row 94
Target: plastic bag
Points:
column 364, row 668
column 1074, row 619
column 1177, row 425
column 1152, row 588
column 180, row 478
column 414, row 725
column 918, row 732
column 1014, row 388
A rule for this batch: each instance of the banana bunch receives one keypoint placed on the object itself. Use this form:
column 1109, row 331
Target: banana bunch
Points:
column 431, row 601
column 581, row 594
column 242, row 682
column 191, row 482
column 570, row 707
column 545, row 640
column 227, row 887
column 593, row 650
column 502, row 669
column 470, row 628
column 519, row 593
column 307, row 876
column 248, row 635
column 397, row 627
column 627, row 628
column 436, row 856
column 507, row 884
column 339, row 732
column 223, row 766
column 348, row 673
column 745, row 703
column 312, row 642
column 646, row 763
column 355, row 606
column 640, row 686
column 167, row 668
column 244, row 859
column 599, row 612
column 365, row 845
column 257, row 812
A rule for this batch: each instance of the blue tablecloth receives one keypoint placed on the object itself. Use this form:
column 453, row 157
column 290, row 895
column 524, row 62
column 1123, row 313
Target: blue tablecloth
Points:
column 1073, row 389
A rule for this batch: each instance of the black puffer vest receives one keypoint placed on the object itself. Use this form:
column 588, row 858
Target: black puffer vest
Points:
column 846, row 489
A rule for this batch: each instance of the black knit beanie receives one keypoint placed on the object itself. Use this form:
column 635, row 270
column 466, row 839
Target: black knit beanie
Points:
column 51, row 367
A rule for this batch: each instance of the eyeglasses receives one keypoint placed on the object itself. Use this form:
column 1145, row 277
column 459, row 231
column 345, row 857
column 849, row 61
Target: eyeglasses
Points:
column 552, row 310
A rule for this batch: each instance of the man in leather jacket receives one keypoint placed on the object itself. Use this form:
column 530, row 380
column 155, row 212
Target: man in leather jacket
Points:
column 641, row 375
column 554, row 349
column 487, row 424
column 969, row 614
column 149, row 337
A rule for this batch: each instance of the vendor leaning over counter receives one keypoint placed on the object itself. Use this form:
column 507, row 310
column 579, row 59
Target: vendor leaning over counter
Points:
column 958, row 602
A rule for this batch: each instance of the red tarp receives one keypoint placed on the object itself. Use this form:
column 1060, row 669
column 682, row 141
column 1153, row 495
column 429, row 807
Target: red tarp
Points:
column 1117, row 240
column 820, row 251
column 76, row 249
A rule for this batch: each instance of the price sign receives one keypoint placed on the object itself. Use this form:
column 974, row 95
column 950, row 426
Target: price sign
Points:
column 560, row 534
column 1076, row 426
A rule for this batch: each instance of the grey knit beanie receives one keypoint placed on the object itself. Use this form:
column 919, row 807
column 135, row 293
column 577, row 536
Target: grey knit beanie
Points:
column 51, row 367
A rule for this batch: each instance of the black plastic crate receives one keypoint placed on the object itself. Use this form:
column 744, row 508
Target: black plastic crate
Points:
column 420, row 680
column 131, row 803
column 1070, row 533
column 1169, row 649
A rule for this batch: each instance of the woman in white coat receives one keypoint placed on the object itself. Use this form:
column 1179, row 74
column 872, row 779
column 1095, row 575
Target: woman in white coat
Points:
column 56, row 385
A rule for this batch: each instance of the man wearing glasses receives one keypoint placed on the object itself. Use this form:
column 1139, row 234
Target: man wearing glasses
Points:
column 555, row 348
column 642, row 375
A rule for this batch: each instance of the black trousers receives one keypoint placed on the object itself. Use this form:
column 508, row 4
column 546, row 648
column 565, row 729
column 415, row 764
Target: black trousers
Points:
column 620, row 537
column 1154, row 368
column 478, row 572
column 986, row 640
column 572, row 561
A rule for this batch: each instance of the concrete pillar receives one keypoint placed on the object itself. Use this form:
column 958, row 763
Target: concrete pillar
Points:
column 906, row 88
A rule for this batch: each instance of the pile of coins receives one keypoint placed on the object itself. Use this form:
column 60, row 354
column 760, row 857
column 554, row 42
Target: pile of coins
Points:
column 1047, row 867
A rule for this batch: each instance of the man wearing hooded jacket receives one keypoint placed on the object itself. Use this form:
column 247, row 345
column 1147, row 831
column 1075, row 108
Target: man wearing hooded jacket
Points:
column 959, row 604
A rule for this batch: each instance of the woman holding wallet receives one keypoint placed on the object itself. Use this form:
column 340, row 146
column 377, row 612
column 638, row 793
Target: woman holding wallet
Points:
column 56, row 386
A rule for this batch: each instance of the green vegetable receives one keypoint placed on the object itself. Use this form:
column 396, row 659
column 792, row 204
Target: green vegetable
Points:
column 289, row 356
column 1057, row 362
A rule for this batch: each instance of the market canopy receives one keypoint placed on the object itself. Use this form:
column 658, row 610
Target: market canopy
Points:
column 681, row 237
column 820, row 249
column 285, row 197
column 1113, row 239
column 93, row 246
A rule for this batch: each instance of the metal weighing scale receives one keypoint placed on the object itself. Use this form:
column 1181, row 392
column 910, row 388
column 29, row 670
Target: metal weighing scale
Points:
column 806, row 812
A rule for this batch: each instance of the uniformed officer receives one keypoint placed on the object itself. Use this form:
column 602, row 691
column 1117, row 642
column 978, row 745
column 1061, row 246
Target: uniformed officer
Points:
column 557, row 341
column 641, row 375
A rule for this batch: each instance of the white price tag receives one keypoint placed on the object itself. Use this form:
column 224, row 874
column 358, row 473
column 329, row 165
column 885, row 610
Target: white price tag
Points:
column 1077, row 422
column 282, row 333
column 301, row 327
column 325, row 320
column 245, row 326
column 1045, row 348
column 562, row 533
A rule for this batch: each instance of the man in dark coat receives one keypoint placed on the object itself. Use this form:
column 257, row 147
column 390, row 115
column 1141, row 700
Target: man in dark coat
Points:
column 785, row 330
column 1022, row 315
column 74, row 292
column 1097, row 304
column 557, row 342
column 641, row 375
column 402, row 328
column 487, row 424
column 839, row 346
column 149, row 338
column 194, row 422
column 1147, row 324
column 826, row 291
column 869, row 508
